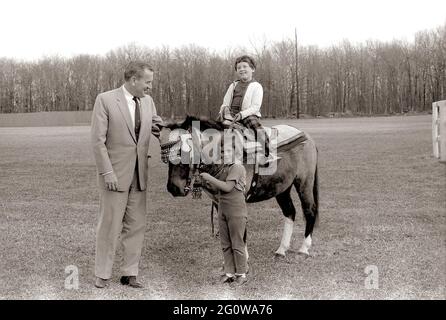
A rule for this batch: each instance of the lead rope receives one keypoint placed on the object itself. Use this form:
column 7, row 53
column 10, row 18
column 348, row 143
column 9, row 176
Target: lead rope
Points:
column 197, row 189
column 214, row 205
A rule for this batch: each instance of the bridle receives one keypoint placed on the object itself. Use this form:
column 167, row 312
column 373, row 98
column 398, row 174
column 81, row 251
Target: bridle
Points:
column 167, row 148
column 172, row 151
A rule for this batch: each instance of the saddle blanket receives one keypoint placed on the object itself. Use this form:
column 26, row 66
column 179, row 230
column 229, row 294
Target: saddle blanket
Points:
column 279, row 135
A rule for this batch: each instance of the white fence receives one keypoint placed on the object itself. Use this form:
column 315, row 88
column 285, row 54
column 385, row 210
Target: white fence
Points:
column 439, row 129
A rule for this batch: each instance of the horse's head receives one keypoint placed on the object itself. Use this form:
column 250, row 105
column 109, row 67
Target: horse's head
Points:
column 174, row 149
column 185, row 146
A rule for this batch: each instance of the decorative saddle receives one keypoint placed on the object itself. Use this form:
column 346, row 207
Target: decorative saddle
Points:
column 280, row 136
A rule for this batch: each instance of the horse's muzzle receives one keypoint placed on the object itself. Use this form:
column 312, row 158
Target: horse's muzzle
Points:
column 176, row 191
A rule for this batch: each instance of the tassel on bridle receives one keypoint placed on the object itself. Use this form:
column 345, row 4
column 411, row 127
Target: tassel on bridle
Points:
column 197, row 186
column 168, row 150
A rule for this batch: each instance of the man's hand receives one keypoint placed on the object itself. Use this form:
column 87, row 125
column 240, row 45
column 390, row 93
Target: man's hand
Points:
column 238, row 117
column 111, row 182
column 156, row 131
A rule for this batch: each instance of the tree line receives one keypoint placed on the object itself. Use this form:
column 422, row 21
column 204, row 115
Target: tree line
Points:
column 368, row 78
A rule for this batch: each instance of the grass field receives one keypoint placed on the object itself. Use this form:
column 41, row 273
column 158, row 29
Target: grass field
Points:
column 382, row 203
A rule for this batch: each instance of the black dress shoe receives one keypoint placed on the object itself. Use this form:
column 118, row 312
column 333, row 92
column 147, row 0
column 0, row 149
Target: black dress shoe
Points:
column 131, row 281
column 100, row 283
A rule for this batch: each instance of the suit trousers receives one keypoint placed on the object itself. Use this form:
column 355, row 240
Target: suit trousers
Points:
column 121, row 214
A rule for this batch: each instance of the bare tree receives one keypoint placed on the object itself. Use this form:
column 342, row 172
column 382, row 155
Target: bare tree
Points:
column 371, row 78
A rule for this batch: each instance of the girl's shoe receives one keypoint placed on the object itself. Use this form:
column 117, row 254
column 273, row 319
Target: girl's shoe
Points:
column 239, row 281
column 226, row 279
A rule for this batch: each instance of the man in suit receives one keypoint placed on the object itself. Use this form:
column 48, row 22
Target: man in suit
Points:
column 122, row 122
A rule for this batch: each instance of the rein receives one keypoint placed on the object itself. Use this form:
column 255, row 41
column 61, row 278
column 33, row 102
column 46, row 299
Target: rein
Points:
column 213, row 170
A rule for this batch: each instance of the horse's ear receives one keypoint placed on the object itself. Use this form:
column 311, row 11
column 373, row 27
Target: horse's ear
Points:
column 188, row 122
column 188, row 119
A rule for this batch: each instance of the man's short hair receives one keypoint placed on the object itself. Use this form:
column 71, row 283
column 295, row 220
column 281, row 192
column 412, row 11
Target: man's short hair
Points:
column 247, row 59
column 136, row 68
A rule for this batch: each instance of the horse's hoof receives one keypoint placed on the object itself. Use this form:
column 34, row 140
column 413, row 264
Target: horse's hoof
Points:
column 279, row 256
column 303, row 254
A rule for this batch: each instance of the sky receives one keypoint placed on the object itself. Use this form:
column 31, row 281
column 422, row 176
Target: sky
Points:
column 31, row 29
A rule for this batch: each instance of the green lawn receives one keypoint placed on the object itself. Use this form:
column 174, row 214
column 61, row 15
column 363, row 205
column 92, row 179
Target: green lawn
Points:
column 382, row 203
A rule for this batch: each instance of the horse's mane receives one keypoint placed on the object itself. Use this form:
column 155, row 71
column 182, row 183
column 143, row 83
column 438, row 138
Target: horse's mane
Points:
column 205, row 123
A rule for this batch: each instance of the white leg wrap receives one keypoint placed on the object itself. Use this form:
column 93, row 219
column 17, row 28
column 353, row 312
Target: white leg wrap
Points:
column 286, row 236
column 306, row 245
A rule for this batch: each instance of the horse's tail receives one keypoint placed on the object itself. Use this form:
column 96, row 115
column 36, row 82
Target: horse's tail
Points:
column 316, row 197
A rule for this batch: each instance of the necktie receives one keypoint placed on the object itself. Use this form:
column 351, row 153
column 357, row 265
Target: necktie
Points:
column 137, row 117
column 137, row 127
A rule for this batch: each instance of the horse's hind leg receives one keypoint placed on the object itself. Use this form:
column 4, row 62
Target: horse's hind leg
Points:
column 286, row 204
column 308, row 195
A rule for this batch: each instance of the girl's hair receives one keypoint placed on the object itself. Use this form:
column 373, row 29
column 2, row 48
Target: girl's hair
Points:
column 247, row 59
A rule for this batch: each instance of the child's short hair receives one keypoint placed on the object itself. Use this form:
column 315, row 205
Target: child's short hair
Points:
column 247, row 59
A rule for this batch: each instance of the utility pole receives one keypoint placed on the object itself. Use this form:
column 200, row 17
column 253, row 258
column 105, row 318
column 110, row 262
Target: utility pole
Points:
column 296, row 75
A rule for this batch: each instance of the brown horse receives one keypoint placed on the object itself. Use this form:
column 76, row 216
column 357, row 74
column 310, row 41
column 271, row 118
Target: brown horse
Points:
column 296, row 167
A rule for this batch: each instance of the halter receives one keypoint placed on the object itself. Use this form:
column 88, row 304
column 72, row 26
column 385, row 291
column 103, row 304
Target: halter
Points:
column 166, row 150
column 172, row 150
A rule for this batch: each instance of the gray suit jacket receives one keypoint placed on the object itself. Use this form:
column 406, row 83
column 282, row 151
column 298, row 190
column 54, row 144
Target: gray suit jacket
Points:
column 113, row 138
